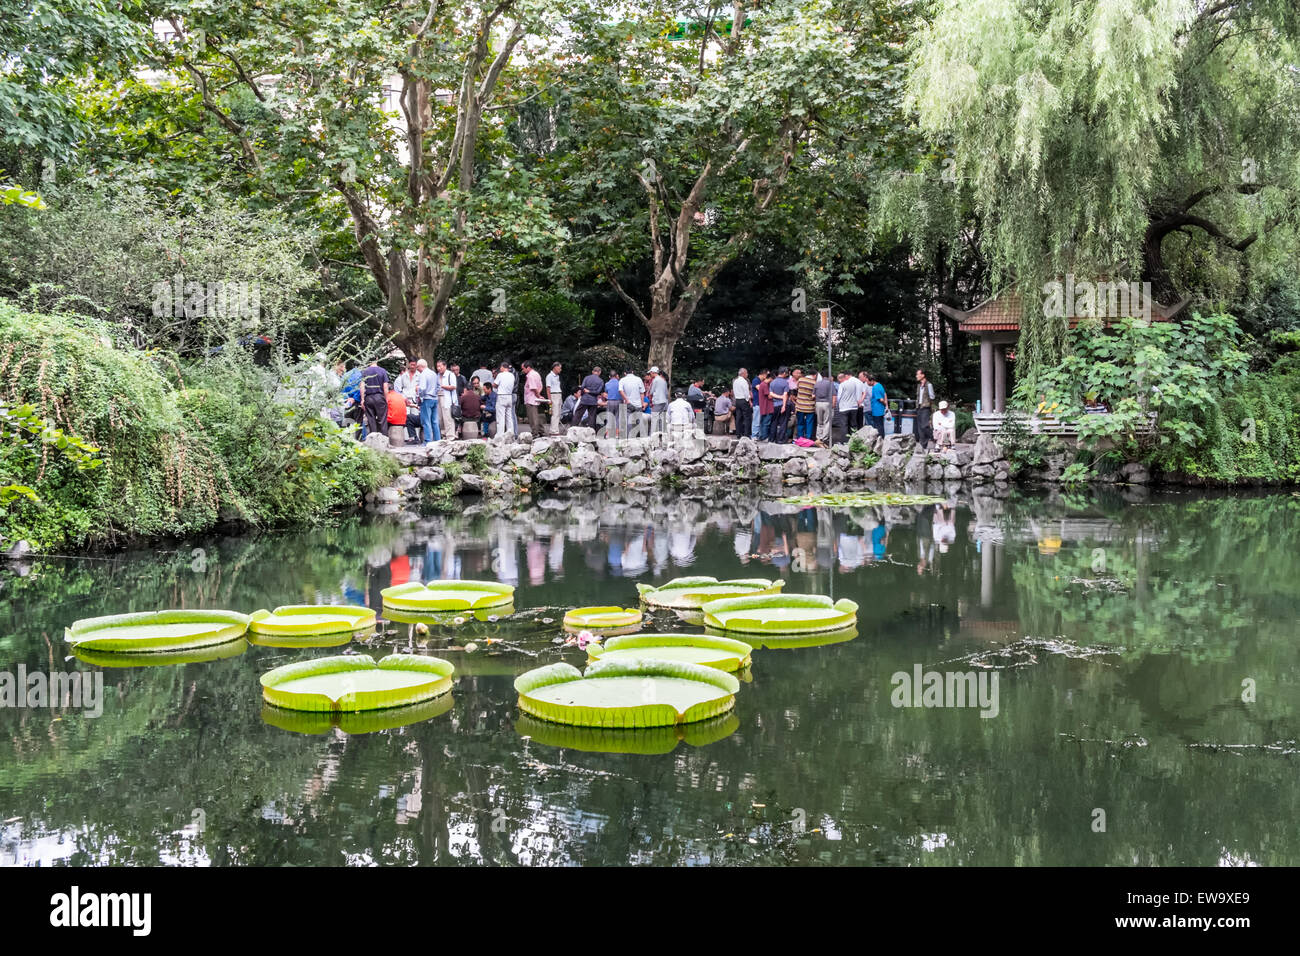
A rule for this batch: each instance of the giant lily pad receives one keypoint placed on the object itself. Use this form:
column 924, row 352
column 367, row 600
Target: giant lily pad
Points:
column 353, row 682
column 706, row 650
column 782, row 642
column 448, row 595
column 154, row 631
column 364, row 722
column 770, row 614
column 302, row 620
column 604, row 620
column 627, row 740
column 212, row 652
column 692, row 592
column 448, row 618
column 627, row 693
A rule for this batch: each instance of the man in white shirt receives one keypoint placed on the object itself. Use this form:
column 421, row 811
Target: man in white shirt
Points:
column 945, row 427
column 846, row 401
column 633, row 392
column 744, row 411
column 506, row 420
column 408, row 382
column 555, row 392
column 681, row 417
column 446, row 397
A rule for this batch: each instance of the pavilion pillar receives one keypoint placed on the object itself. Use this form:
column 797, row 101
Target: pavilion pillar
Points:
column 1000, row 378
column 987, row 573
column 986, row 374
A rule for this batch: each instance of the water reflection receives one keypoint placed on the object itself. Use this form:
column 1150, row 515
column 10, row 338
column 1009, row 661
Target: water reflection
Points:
column 1111, row 621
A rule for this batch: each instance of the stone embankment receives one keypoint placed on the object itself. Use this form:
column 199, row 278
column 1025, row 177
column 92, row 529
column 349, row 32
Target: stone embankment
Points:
column 685, row 460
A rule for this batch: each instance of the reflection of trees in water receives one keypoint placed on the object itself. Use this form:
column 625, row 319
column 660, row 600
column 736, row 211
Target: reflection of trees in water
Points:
column 818, row 739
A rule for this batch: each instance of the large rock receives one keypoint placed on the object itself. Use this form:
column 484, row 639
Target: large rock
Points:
column 952, row 473
column 867, row 435
column 1134, row 473
column 986, row 451
column 555, row 476
column 498, row 453
column 772, row 474
column 586, row 463
column 914, row 470
column 431, row 475
column 471, row 483
column 770, row 452
column 377, row 441
column 796, row 467
column 581, row 435
column 409, row 455
column 897, row 445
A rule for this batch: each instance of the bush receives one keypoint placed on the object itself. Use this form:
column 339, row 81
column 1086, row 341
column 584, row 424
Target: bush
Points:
column 183, row 447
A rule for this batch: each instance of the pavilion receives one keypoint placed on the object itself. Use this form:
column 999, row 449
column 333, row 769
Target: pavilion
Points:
column 996, row 321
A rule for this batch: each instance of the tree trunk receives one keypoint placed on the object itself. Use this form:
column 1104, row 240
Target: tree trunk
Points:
column 421, row 343
column 661, row 350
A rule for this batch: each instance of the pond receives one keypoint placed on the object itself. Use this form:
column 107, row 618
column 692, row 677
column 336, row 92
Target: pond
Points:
column 1145, row 649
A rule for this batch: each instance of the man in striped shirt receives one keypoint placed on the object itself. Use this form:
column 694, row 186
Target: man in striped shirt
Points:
column 805, row 405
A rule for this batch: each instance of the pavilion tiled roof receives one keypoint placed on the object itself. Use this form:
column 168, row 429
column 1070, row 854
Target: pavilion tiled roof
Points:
column 1004, row 311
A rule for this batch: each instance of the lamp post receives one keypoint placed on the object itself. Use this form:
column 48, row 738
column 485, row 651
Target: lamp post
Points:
column 832, row 336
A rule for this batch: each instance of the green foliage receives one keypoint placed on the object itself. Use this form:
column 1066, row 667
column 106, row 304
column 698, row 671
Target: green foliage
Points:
column 118, row 253
column 1169, row 372
column 542, row 326
column 1151, row 138
column 182, row 448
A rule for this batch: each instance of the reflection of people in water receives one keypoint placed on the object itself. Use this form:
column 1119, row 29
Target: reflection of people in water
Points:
column 879, row 540
column 945, row 527
column 536, row 557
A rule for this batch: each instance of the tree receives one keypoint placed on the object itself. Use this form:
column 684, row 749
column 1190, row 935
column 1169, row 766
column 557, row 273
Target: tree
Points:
column 49, row 48
column 424, row 176
column 682, row 152
column 1089, row 135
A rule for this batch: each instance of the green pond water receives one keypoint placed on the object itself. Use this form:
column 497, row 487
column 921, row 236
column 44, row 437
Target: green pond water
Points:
column 1146, row 651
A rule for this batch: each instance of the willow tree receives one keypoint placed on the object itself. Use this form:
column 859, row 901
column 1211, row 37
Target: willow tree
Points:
column 1150, row 139
column 391, row 106
column 696, row 130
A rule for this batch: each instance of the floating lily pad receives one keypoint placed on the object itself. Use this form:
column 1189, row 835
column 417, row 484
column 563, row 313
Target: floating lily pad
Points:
column 156, row 631
column 706, row 650
column 781, row 642
column 448, row 618
column 692, row 592
column 627, row 693
column 773, row 614
column 604, row 620
column 353, row 682
column 863, row 499
column 305, row 620
column 213, row 652
column 448, row 595
column 365, row 722
column 625, row 740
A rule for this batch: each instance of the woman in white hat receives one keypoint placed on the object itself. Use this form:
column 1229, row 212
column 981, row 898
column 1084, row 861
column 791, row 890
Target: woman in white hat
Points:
column 945, row 426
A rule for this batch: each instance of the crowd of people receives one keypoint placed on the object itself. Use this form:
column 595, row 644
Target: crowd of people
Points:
column 791, row 405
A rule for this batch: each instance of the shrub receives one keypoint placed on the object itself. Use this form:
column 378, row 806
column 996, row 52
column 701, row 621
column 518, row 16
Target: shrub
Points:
column 183, row 447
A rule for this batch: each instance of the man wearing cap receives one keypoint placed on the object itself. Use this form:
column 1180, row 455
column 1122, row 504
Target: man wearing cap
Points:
column 945, row 427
